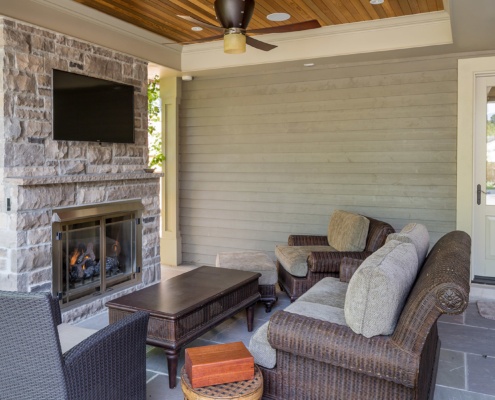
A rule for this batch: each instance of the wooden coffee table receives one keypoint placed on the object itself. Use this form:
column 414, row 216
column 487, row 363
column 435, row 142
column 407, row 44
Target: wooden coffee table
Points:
column 186, row 306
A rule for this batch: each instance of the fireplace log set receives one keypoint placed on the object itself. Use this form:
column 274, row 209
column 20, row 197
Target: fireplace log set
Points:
column 84, row 264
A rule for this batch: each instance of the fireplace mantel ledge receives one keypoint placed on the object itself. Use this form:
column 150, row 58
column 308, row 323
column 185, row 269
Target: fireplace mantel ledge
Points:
column 61, row 179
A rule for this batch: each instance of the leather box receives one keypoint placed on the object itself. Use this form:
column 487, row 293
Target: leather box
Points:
column 222, row 363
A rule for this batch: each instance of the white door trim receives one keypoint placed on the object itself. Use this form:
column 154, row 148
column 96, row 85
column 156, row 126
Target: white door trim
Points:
column 468, row 70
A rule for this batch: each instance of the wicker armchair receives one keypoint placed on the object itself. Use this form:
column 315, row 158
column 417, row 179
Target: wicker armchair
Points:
column 110, row 364
column 318, row 360
column 322, row 264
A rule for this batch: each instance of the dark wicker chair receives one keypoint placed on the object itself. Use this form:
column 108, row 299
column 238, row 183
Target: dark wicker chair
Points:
column 320, row 360
column 327, row 263
column 110, row 364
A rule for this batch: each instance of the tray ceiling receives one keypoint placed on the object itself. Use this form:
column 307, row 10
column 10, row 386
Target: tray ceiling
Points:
column 160, row 16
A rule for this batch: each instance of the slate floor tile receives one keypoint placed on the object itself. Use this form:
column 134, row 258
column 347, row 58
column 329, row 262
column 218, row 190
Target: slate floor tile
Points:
column 157, row 389
column 481, row 373
column 447, row 393
column 451, row 369
column 473, row 318
column 465, row 338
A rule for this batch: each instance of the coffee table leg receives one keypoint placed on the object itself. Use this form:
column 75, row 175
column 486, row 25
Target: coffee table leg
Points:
column 250, row 317
column 172, row 361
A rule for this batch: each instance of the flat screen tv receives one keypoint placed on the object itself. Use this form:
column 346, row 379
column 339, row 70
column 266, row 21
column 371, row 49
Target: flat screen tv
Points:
column 92, row 109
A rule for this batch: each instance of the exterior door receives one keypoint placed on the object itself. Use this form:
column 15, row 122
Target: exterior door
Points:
column 484, row 180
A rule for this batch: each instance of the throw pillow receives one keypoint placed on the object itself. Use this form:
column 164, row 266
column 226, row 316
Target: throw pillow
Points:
column 418, row 235
column 347, row 231
column 378, row 290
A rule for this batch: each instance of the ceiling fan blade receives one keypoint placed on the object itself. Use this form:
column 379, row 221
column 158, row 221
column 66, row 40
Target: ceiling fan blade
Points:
column 200, row 23
column 298, row 26
column 258, row 44
column 202, row 40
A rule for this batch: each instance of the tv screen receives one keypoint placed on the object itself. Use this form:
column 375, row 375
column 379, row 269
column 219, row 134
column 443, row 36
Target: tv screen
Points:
column 92, row 109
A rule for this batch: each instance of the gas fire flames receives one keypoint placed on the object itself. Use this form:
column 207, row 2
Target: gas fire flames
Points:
column 84, row 265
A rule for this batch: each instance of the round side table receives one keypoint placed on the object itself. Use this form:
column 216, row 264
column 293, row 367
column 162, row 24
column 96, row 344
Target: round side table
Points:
column 241, row 390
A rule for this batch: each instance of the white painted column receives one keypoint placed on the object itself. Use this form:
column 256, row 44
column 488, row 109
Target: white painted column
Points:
column 170, row 242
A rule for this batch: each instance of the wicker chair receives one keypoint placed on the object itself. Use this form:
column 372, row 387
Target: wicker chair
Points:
column 110, row 364
column 322, row 360
column 322, row 264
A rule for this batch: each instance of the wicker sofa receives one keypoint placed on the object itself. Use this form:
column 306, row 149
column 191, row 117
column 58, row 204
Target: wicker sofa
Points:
column 319, row 357
column 109, row 364
column 322, row 260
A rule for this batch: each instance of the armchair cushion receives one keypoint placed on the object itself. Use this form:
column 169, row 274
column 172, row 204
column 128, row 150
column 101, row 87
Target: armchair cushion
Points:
column 378, row 290
column 416, row 234
column 328, row 291
column 294, row 259
column 347, row 231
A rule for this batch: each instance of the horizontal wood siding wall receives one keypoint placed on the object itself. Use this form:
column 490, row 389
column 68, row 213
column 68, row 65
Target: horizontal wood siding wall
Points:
column 271, row 154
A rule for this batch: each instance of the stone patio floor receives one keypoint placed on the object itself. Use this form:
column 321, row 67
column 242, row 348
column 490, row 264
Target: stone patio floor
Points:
column 467, row 357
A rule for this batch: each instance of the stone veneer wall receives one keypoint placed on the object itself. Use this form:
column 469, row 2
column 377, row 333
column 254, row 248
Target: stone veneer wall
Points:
column 38, row 174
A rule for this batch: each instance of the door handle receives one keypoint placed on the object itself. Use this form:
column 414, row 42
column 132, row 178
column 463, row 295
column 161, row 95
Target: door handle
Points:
column 478, row 194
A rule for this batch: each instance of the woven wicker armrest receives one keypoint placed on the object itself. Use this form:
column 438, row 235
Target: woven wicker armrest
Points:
column 348, row 267
column 340, row 346
column 111, row 363
column 329, row 261
column 307, row 240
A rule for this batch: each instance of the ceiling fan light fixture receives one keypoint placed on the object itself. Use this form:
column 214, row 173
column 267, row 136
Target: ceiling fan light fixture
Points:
column 234, row 43
column 196, row 29
column 375, row 2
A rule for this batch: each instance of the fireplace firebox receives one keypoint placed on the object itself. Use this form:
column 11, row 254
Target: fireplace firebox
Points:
column 95, row 249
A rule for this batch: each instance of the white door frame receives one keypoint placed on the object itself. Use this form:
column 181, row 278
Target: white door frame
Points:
column 468, row 70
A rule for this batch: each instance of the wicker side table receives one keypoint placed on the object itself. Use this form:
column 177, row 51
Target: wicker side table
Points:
column 242, row 390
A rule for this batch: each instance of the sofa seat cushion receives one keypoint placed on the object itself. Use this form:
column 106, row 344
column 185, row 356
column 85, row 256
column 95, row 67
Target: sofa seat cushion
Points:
column 418, row 235
column 294, row 259
column 328, row 291
column 71, row 335
column 347, row 231
column 254, row 261
column 265, row 355
column 378, row 290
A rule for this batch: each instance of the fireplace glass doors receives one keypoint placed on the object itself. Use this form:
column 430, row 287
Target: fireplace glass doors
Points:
column 95, row 252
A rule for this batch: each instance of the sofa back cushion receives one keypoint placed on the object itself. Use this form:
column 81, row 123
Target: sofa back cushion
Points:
column 416, row 234
column 347, row 231
column 378, row 290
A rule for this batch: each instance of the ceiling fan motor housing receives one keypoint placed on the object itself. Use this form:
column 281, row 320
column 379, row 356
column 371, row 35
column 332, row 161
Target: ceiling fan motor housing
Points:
column 234, row 13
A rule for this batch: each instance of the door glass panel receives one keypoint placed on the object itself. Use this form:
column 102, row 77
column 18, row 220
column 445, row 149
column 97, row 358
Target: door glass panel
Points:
column 490, row 147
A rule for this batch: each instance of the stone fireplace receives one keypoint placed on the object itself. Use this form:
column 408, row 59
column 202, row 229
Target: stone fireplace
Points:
column 42, row 180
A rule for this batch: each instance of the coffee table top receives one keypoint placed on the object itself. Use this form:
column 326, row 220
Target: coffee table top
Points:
column 180, row 294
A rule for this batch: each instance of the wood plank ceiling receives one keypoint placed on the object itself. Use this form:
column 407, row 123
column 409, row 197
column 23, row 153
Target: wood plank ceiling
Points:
column 160, row 16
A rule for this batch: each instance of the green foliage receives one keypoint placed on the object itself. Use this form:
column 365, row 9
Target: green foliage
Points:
column 156, row 156
column 490, row 128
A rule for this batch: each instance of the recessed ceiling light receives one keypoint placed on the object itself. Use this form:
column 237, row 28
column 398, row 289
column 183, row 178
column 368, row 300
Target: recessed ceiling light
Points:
column 196, row 29
column 309, row 64
column 278, row 17
column 374, row 2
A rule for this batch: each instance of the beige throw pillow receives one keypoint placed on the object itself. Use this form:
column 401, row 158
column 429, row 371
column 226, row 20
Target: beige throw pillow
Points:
column 418, row 235
column 379, row 288
column 347, row 231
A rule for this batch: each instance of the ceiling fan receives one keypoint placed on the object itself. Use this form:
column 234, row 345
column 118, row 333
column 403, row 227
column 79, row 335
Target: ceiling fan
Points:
column 234, row 17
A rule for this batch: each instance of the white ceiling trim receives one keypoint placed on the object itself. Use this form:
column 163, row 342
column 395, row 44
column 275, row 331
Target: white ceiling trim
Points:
column 405, row 32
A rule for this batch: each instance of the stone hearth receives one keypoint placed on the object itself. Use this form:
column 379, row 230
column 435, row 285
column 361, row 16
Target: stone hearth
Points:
column 39, row 174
